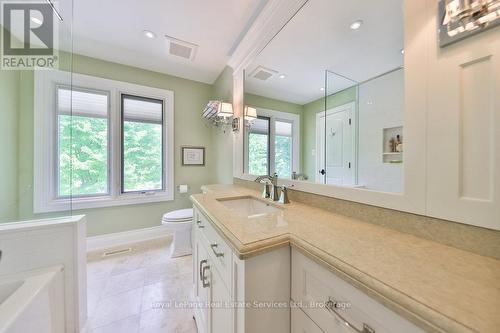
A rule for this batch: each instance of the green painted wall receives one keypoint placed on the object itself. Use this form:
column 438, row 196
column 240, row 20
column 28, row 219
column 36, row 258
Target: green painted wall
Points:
column 272, row 104
column 9, row 118
column 222, row 141
column 190, row 129
column 309, row 126
column 17, row 129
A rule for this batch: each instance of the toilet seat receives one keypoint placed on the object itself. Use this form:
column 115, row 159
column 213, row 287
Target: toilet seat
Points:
column 181, row 215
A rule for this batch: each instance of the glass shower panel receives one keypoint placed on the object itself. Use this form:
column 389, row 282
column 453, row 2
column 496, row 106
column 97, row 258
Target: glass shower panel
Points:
column 380, row 128
column 37, row 40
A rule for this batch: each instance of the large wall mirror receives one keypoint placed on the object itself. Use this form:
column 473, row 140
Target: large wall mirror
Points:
column 324, row 100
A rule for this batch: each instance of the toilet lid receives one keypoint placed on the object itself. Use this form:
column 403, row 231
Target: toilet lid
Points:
column 179, row 215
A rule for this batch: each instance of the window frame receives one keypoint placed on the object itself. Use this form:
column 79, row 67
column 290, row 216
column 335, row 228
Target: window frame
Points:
column 45, row 140
column 274, row 116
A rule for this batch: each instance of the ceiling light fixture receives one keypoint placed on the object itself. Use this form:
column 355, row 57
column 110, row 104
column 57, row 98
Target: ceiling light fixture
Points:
column 282, row 76
column 149, row 34
column 402, row 51
column 356, row 25
column 36, row 20
column 322, row 89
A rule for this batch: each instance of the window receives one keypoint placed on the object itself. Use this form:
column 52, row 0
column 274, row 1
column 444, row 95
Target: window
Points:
column 142, row 144
column 100, row 142
column 82, row 142
column 271, row 144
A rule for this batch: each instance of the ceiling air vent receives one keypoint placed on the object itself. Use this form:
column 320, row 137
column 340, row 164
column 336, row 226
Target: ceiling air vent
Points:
column 263, row 74
column 180, row 48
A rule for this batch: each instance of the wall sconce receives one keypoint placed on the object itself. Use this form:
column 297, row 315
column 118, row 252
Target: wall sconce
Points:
column 250, row 113
column 463, row 18
column 221, row 114
column 225, row 110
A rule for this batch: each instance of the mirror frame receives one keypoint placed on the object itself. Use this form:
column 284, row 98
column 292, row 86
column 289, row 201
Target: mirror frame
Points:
column 274, row 17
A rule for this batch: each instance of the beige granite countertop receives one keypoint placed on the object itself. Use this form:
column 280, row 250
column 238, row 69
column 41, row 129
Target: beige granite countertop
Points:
column 437, row 287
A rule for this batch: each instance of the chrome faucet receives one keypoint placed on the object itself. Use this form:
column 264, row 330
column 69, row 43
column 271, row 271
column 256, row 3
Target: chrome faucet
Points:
column 271, row 187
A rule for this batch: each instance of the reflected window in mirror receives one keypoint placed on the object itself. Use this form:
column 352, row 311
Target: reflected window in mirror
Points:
column 259, row 146
column 272, row 144
column 283, row 153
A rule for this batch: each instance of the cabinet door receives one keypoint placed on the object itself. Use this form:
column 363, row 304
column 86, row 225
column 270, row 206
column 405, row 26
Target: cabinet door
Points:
column 221, row 311
column 201, row 291
column 302, row 323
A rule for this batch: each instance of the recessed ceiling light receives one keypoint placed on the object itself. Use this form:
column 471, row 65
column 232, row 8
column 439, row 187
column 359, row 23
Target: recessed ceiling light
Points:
column 149, row 34
column 282, row 76
column 36, row 20
column 402, row 51
column 356, row 25
column 322, row 89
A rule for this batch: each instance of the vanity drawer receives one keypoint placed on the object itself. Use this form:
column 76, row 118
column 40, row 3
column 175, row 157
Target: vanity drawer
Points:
column 313, row 286
column 219, row 251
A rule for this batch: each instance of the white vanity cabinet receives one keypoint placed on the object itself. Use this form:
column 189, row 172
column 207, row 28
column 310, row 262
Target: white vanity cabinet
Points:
column 244, row 296
column 253, row 295
column 301, row 323
column 316, row 290
column 210, row 287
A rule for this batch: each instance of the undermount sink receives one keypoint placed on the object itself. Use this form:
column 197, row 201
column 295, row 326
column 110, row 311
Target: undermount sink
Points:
column 249, row 206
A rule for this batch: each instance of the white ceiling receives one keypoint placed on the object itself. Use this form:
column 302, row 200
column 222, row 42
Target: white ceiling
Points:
column 113, row 30
column 318, row 38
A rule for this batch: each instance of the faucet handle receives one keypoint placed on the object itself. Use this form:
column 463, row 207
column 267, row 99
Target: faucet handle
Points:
column 266, row 193
column 284, row 195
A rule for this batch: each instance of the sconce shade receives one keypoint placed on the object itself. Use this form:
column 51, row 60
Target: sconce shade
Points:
column 225, row 110
column 250, row 113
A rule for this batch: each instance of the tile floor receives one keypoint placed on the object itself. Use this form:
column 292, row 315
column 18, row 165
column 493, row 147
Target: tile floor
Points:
column 123, row 289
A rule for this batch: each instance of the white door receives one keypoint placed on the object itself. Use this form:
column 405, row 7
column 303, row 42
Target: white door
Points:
column 336, row 145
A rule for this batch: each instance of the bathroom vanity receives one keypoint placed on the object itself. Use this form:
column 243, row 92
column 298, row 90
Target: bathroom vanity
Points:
column 340, row 274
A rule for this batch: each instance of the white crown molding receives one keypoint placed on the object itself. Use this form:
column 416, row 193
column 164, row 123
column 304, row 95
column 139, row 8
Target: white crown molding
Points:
column 101, row 242
column 271, row 20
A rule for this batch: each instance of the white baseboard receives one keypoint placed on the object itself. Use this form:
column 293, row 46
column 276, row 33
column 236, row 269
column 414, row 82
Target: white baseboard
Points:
column 101, row 242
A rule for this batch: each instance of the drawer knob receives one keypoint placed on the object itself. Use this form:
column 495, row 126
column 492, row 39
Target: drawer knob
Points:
column 331, row 306
column 217, row 254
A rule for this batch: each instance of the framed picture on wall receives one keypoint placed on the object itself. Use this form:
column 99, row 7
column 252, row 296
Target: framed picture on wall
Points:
column 193, row 156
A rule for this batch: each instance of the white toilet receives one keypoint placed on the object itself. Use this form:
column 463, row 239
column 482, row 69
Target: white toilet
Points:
column 179, row 222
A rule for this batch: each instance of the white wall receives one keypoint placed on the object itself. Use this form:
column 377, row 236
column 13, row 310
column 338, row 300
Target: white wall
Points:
column 381, row 105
